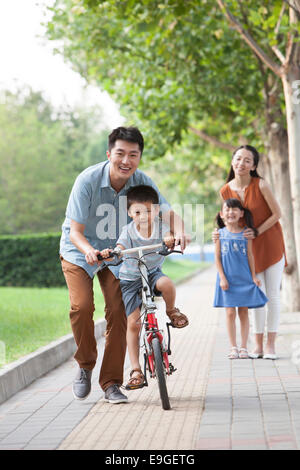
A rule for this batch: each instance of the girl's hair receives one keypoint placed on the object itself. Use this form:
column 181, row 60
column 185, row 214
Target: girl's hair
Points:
column 232, row 202
column 256, row 158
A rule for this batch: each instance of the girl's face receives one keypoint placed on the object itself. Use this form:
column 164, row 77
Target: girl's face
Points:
column 243, row 162
column 231, row 215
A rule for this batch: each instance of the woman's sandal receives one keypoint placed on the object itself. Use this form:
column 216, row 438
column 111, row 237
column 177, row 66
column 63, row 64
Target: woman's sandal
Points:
column 138, row 381
column 234, row 353
column 243, row 354
column 176, row 317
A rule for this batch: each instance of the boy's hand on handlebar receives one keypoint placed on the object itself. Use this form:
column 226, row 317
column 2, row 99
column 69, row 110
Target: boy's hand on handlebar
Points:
column 105, row 254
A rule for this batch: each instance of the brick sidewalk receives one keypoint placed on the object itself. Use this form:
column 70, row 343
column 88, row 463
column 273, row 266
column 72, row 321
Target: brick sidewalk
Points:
column 216, row 403
column 142, row 423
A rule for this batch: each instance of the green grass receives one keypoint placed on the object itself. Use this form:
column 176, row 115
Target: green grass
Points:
column 33, row 317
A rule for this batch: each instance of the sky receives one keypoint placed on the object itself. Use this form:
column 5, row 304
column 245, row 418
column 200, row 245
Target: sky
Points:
column 26, row 58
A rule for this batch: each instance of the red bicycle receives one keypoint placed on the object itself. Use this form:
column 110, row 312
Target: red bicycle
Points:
column 153, row 339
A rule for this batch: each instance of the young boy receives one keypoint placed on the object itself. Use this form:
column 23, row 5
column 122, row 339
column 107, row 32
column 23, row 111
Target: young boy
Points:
column 145, row 229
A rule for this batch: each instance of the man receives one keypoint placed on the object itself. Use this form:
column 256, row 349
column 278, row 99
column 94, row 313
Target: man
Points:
column 95, row 215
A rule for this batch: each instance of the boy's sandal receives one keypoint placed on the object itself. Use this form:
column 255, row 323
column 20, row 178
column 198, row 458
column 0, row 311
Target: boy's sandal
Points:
column 138, row 381
column 234, row 353
column 177, row 317
column 243, row 354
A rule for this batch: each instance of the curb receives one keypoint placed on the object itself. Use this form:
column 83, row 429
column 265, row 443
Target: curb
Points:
column 19, row 374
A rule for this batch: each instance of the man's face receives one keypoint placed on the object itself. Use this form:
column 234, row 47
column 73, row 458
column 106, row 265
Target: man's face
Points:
column 124, row 159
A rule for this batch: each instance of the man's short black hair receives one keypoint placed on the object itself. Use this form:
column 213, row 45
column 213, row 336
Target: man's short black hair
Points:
column 141, row 193
column 130, row 134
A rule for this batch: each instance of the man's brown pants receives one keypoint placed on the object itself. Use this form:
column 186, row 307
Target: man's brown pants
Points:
column 81, row 294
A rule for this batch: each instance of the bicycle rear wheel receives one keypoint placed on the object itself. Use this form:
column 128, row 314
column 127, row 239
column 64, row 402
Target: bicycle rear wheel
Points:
column 160, row 374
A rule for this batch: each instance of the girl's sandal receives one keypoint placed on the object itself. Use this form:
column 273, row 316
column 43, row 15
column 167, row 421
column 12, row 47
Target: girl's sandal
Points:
column 177, row 317
column 243, row 354
column 234, row 353
column 138, row 381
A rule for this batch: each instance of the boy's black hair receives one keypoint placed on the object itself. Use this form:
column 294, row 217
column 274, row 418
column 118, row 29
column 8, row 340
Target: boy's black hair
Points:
column 141, row 193
column 130, row 134
column 233, row 202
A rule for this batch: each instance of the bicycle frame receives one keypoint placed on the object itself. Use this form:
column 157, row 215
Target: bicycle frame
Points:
column 151, row 323
column 156, row 351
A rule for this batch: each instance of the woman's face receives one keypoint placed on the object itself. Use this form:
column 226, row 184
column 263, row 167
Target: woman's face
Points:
column 243, row 162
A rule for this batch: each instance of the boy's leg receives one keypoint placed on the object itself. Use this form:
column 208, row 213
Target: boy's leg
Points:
column 80, row 287
column 168, row 291
column 133, row 344
column 115, row 344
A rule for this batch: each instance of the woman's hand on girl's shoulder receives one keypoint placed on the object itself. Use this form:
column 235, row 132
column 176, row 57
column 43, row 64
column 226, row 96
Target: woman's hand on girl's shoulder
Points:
column 249, row 233
column 215, row 235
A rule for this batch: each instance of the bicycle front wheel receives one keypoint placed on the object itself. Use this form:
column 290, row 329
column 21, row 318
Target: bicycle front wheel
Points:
column 160, row 374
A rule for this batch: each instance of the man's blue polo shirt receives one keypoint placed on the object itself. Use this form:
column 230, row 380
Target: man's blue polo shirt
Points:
column 103, row 211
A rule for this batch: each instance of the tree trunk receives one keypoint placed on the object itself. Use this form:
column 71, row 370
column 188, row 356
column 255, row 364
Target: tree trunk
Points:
column 279, row 159
column 293, row 128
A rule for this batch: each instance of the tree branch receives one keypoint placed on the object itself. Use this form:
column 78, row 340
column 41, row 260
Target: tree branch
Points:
column 212, row 140
column 276, row 49
column 249, row 40
column 296, row 8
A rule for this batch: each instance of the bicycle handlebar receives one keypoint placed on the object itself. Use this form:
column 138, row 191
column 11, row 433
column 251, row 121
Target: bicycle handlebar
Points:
column 117, row 252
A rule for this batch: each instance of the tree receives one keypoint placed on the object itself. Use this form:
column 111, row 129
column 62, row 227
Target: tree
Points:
column 285, row 37
column 41, row 153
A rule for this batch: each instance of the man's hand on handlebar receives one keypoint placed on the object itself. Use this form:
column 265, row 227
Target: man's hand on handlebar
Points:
column 97, row 257
column 181, row 238
column 169, row 241
column 91, row 257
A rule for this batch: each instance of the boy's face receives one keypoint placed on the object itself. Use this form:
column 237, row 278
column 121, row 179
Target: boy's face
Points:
column 143, row 213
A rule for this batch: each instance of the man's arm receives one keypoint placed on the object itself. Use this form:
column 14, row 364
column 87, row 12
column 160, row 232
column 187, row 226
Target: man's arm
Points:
column 78, row 239
column 176, row 225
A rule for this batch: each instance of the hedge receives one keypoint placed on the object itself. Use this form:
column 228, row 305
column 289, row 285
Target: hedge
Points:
column 30, row 260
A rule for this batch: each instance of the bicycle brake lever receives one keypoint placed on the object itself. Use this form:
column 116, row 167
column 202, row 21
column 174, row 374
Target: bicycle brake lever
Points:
column 165, row 251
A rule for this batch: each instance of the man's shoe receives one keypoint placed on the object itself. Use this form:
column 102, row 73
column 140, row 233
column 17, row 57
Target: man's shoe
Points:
column 82, row 384
column 114, row 395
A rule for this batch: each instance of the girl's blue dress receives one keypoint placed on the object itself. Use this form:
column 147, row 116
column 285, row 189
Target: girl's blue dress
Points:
column 242, row 291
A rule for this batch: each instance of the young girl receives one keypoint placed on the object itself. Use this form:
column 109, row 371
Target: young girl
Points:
column 237, row 284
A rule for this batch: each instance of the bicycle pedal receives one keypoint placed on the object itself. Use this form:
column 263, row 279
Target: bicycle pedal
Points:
column 171, row 368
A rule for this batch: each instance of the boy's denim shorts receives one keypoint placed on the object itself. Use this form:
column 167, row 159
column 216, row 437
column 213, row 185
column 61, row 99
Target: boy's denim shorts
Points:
column 131, row 290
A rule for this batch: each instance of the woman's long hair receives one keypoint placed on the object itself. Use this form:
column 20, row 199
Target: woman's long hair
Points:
column 233, row 202
column 256, row 158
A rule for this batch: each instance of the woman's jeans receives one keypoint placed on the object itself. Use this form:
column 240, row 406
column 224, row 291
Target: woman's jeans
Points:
column 270, row 285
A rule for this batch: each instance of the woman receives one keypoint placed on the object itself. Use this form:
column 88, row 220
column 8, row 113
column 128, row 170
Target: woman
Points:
column 254, row 192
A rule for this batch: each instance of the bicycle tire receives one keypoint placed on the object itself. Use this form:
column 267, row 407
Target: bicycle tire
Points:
column 160, row 374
